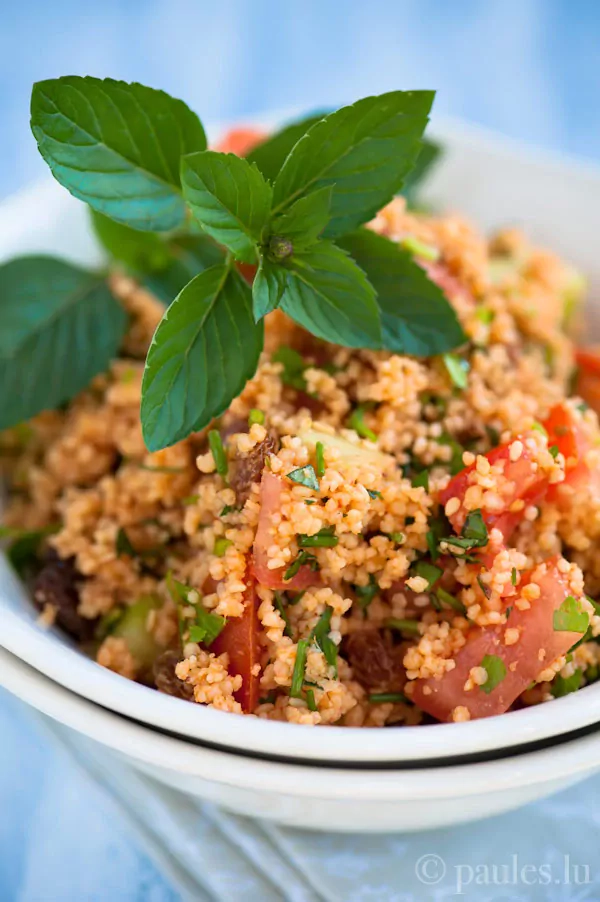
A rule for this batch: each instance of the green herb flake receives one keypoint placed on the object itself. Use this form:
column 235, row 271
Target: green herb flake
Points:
column 325, row 538
column 537, row 427
column 215, row 444
column 293, row 367
column 386, row 698
column 496, row 671
column 221, row 546
column 421, row 480
column 320, row 459
column 280, row 606
column 451, row 601
column 427, row 571
column 514, row 576
column 474, row 533
column 229, row 509
column 485, row 315
column 373, row 494
column 357, row 422
column 420, row 248
column 321, row 636
column 554, row 451
column 310, row 700
column 303, row 558
column 123, row 544
column 396, row 537
column 299, row 668
column 190, row 499
column 305, row 476
column 484, row 588
column 366, row 594
column 458, row 370
column 562, row 686
column 569, row 617
column 157, row 468
column 204, row 627
column 256, row 416
column 508, row 611
column 408, row 627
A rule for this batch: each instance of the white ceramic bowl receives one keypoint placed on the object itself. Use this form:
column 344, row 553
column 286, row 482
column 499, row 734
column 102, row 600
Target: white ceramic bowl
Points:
column 316, row 797
column 497, row 183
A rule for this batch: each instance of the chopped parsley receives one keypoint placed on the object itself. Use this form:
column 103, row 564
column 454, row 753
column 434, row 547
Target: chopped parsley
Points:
column 321, row 636
column 565, row 685
column 324, row 538
column 553, row 449
column 485, row 315
column 299, row 668
column 192, row 499
column 451, row 600
column 537, row 426
column 218, row 452
column 427, row 571
column 508, row 611
column 305, row 476
column 25, row 544
column 409, row 627
column 373, row 493
column 439, row 528
column 474, row 533
column 229, row 509
column 357, row 422
column 156, row 468
column 256, row 416
column 320, row 459
column 421, row 480
column 456, row 458
column 203, row 627
column 293, row 367
column 569, row 617
column 278, row 599
column 366, row 594
column 496, row 671
column 514, row 576
column 303, row 558
column 382, row 698
column 397, row 537
column 310, row 700
column 485, row 589
column 221, row 546
column 458, row 370
column 123, row 544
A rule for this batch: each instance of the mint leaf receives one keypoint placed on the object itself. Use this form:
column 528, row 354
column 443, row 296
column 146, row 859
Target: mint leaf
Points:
column 205, row 349
column 59, row 327
column 139, row 251
column 230, row 199
column 188, row 256
column 329, row 295
column 364, row 151
column 306, row 219
column 427, row 158
column 416, row 316
column 267, row 288
column 116, row 146
column 270, row 154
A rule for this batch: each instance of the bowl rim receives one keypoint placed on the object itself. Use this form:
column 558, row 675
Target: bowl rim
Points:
column 145, row 745
column 46, row 652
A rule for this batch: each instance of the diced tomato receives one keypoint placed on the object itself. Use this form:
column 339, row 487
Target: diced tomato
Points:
column 271, row 488
column 567, row 433
column 240, row 140
column 240, row 639
column 588, row 375
column 528, row 485
column 539, row 644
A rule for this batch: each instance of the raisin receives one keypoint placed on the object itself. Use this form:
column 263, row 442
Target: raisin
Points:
column 166, row 679
column 56, row 584
column 248, row 469
column 375, row 661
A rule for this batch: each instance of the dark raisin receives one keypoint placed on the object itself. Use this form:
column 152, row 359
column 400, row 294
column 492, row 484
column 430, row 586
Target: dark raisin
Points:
column 166, row 679
column 375, row 661
column 56, row 584
column 246, row 470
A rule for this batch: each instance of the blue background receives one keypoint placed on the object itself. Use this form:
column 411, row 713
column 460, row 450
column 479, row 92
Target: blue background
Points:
column 528, row 68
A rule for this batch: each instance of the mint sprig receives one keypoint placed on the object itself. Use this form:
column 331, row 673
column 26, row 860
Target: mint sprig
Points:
column 138, row 157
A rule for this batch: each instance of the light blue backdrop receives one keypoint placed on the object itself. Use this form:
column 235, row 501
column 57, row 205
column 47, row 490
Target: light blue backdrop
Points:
column 529, row 68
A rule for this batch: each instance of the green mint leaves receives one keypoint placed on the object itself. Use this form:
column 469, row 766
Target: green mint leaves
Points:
column 179, row 218
column 59, row 327
column 364, row 151
column 230, row 199
column 117, row 146
column 205, row 349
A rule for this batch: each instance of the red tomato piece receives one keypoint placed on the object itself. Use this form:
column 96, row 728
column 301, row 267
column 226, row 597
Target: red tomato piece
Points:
column 271, row 488
column 529, row 486
column 567, row 433
column 240, row 639
column 522, row 661
column 240, row 141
